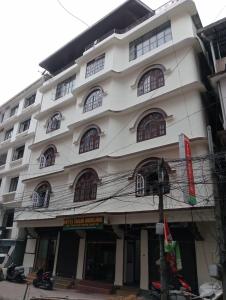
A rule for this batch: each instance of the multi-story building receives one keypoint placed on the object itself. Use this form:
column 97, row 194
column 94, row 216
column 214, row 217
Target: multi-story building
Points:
column 17, row 131
column 120, row 95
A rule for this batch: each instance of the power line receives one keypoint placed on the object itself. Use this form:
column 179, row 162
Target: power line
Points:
column 71, row 14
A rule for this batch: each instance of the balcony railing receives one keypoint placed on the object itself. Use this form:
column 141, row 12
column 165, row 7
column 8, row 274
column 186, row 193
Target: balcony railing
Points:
column 159, row 10
column 119, row 31
column 5, row 233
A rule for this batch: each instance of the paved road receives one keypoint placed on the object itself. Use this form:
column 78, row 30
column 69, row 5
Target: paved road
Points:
column 15, row 291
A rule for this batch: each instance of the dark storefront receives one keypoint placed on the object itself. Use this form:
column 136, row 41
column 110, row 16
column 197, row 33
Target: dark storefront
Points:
column 45, row 249
column 100, row 255
column 67, row 254
column 184, row 234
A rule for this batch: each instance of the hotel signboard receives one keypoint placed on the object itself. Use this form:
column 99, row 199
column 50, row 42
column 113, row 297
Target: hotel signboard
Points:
column 83, row 223
column 187, row 170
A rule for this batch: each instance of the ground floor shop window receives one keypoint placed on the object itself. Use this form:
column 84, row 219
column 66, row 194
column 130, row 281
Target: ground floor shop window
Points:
column 45, row 250
column 67, row 254
column 100, row 261
column 183, row 235
column 132, row 262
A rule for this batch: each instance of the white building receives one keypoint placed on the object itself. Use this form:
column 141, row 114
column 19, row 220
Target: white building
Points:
column 17, row 131
column 120, row 95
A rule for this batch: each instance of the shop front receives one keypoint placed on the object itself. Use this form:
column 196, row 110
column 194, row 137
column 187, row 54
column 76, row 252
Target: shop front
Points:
column 45, row 249
column 98, row 253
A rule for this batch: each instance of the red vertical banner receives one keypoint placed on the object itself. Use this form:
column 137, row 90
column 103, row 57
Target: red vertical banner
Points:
column 185, row 153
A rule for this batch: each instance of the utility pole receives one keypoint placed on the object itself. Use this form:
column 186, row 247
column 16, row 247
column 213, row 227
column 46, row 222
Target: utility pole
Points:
column 218, row 214
column 163, row 277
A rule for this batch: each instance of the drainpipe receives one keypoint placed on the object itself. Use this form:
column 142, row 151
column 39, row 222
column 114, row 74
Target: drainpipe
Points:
column 213, row 56
column 222, row 103
column 219, row 90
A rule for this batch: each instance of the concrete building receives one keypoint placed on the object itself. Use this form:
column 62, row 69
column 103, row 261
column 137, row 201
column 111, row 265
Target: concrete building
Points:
column 120, row 95
column 17, row 131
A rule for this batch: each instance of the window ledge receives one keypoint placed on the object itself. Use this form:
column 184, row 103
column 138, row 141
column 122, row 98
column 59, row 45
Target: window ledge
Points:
column 16, row 162
column 5, row 142
column 23, row 133
column 8, row 197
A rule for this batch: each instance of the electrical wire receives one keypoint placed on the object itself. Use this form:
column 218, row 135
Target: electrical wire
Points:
column 71, row 14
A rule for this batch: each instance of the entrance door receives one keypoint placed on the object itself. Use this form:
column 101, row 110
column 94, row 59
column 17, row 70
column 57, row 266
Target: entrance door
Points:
column 45, row 254
column 132, row 262
column 100, row 261
column 67, row 254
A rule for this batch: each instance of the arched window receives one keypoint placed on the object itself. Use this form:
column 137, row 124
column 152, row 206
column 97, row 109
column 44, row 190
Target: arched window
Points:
column 150, row 81
column 41, row 195
column 93, row 100
column 151, row 126
column 89, row 141
column 54, row 122
column 86, row 186
column 147, row 181
column 48, row 157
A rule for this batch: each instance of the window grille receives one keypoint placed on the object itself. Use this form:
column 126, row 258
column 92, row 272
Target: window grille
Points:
column 89, row 141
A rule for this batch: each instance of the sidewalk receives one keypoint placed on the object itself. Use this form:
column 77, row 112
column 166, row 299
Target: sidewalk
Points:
column 15, row 291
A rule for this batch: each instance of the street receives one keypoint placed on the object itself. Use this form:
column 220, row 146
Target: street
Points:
column 15, row 291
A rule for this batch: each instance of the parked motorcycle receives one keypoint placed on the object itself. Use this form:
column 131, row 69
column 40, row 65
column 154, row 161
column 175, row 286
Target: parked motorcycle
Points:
column 43, row 280
column 15, row 273
column 1, row 274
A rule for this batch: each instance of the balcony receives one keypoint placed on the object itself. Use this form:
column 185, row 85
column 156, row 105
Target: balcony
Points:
column 5, row 233
column 119, row 31
column 221, row 64
column 158, row 11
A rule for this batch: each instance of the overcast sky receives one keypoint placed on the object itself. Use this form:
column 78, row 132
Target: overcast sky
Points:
column 31, row 30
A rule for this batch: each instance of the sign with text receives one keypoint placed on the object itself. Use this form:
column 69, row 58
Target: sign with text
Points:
column 187, row 170
column 83, row 222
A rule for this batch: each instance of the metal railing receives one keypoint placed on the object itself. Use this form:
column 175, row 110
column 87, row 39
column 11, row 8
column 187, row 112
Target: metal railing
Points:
column 159, row 10
column 165, row 6
column 119, row 31
column 5, row 233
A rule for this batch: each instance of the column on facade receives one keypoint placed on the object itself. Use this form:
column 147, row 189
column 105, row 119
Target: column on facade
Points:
column 29, row 255
column 119, row 255
column 81, row 256
column 56, row 253
column 144, row 265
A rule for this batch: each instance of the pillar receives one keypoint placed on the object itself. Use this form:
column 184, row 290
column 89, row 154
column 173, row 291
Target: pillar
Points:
column 29, row 255
column 119, row 262
column 144, row 266
column 81, row 258
column 56, row 253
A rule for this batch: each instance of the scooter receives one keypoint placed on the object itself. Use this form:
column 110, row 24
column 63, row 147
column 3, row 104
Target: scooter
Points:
column 43, row 280
column 1, row 274
column 15, row 273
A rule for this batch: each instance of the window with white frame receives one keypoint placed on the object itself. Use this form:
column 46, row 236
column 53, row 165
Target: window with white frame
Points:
column 13, row 184
column 95, row 65
column 2, row 117
column 8, row 134
column 65, row 87
column 13, row 110
column 151, row 126
column 86, row 186
column 93, row 100
column 18, row 153
column 48, row 157
column 147, row 181
column 54, row 122
column 150, row 41
column 150, row 81
column 3, row 157
column 41, row 195
column 29, row 100
column 24, row 125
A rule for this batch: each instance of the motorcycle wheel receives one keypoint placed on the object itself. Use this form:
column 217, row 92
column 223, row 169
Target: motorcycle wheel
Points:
column 35, row 283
